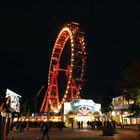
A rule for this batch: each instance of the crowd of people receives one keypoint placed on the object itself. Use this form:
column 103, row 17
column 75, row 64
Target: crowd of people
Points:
column 19, row 126
column 92, row 124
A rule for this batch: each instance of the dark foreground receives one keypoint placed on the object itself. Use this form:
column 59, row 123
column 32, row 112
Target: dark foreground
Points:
column 74, row 134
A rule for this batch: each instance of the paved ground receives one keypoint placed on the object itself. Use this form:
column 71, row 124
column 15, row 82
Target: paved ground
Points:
column 74, row 134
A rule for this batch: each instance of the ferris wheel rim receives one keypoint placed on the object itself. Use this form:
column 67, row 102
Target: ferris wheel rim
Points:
column 67, row 32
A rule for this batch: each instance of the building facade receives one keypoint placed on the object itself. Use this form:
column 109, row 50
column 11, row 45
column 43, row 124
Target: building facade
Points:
column 81, row 110
column 121, row 113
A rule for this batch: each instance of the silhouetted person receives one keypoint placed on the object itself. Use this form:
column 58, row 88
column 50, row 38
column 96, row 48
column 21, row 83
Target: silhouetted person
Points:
column 81, row 125
column 114, row 124
column 60, row 125
column 93, row 125
column 88, row 125
column 45, row 129
column 72, row 124
column 78, row 124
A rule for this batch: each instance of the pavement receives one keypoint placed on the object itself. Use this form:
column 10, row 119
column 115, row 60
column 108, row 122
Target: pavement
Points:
column 74, row 134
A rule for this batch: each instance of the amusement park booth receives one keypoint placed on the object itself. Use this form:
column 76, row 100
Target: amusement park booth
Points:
column 82, row 110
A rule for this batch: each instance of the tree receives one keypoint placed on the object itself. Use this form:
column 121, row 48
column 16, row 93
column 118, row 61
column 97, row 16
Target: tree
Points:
column 131, row 78
column 106, row 106
column 130, row 85
column 133, row 94
column 28, row 107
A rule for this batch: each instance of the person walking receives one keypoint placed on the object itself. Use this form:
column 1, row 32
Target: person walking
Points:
column 45, row 129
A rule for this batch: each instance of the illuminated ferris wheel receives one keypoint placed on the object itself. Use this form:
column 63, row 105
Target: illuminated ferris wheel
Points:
column 67, row 68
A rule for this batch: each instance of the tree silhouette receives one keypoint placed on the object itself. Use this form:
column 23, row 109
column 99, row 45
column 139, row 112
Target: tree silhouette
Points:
column 106, row 105
column 28, row 107
column 130, row 85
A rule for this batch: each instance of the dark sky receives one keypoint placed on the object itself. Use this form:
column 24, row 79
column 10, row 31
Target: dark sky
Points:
column 28, row 31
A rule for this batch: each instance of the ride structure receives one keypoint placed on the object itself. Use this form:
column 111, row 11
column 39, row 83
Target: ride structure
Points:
column 67, row 68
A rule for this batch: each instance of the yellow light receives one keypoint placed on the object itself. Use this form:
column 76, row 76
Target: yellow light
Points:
column 15, row 119
column 113, row 113
column 33, row 120
column 71, row 39
column 26, row 119
column 55, row 111
column 45, row 120
column 59, row 107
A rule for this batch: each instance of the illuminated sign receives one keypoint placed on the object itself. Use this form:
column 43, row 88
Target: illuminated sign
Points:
column 84, row 111
column 81, row 106
column 14, row 99
column 84, row 102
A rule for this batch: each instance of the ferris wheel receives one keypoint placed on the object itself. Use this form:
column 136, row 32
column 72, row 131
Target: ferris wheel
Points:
column 68, row 60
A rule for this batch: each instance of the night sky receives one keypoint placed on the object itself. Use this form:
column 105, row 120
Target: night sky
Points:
column 28, row 31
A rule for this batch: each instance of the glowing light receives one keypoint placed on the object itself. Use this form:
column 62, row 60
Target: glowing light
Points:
column 32, row 119
column 26, row 119
column 72, row 45
column 56, row 111
column 113, row 113
column 45, row 120
column 15, row 119
column 118, row 113
column 72, row 59
column 125, row 113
